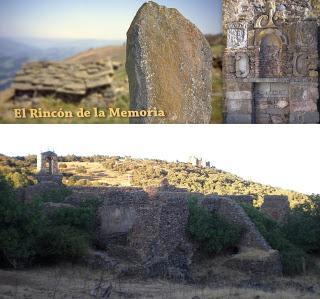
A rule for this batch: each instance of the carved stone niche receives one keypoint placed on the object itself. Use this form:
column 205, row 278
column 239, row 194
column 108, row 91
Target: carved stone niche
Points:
column 270, row 56
column 242, row 65
column 237, row 35
column 271, row 44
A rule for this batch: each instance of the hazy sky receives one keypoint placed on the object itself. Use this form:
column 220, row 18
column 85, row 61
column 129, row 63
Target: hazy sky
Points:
column 98, row 19
column 282, row 156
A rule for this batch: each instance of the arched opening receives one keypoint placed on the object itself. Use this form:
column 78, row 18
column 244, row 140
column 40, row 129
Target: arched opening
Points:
column 49, row 165
column 270, row 56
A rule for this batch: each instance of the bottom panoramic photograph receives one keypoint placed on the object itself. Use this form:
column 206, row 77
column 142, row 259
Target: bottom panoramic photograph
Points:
column 117, row 214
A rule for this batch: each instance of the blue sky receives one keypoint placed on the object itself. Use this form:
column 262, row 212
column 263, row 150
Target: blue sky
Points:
column 96, row 19
column 281, row 156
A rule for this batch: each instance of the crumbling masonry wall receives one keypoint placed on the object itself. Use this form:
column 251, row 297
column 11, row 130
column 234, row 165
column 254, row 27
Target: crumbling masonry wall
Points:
column 159, row 216
column 276, row 206
column 148, row 228
column 271, row 61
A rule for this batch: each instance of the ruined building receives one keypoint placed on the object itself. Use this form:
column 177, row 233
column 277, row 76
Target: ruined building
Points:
column 271, row 61
column 47, row 168
column 199, row 162
column 147, row 228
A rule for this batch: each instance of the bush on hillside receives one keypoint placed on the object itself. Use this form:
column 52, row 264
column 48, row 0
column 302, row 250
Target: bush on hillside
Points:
column 303, row 225
column 213, row 233
column 29, row 234
column 293, row 258
column 19, row 227
column 62, row 242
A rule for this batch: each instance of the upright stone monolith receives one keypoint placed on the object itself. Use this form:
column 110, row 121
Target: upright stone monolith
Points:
column 169, row 64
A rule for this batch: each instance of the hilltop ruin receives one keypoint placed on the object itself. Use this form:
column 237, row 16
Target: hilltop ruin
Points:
column 147, row 227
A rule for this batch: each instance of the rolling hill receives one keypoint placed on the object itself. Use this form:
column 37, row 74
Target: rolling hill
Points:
column 118, row 171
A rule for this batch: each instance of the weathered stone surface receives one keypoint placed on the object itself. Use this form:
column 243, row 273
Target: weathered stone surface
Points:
column 257, row 263
column 238, row 118
column 274, row 46
column 242, row 199
column 277, row 207
column 169, row 64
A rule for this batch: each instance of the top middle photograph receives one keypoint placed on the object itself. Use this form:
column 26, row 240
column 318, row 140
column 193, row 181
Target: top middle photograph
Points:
column 163, row 62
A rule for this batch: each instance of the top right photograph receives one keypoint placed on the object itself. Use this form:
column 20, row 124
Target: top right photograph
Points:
column 271, row 61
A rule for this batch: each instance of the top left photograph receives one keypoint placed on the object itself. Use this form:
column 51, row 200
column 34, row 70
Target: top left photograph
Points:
column 111, row 62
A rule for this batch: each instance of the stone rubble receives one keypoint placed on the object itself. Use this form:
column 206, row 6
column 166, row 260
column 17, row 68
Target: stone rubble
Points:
column 69, row 81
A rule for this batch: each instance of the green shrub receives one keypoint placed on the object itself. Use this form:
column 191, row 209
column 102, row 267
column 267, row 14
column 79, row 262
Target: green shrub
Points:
column 213, row 232
column 293, row 258
column 303, row 225
column 28, row 234
column 79, row 218
column 19, row 179
column 62, row 242
column 56, row 196
column 19, row 227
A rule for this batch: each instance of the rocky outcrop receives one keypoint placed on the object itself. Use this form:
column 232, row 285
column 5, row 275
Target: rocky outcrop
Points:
column 169, row 65
column 70, row 81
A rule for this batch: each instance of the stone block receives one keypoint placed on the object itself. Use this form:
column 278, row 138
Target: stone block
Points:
column 304, row 118
column 239, row 106
column 237, row 118
column 239, row 95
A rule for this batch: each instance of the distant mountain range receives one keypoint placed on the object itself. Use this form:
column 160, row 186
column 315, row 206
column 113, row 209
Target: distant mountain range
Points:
column 15, row 52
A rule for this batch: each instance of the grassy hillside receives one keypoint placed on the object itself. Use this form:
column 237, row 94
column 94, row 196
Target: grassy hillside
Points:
column 117, row 171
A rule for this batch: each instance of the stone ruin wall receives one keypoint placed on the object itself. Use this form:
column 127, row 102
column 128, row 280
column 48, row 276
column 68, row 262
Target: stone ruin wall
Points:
column 271, row 61
column 316, row 10
column 150, row 229
column 276, row 206
column 135, row 202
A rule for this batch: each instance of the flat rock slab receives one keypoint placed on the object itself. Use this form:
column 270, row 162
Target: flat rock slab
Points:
column 169, row 65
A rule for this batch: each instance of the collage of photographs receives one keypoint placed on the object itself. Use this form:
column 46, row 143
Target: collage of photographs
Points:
column 160, row 149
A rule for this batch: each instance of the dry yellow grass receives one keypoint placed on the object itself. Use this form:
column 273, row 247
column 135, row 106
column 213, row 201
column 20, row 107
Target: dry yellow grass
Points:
column 96, row 174
column 113, row 52
column 69, row 281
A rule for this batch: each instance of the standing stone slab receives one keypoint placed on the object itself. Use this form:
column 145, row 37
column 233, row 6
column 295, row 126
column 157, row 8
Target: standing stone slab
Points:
column 169, row 64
